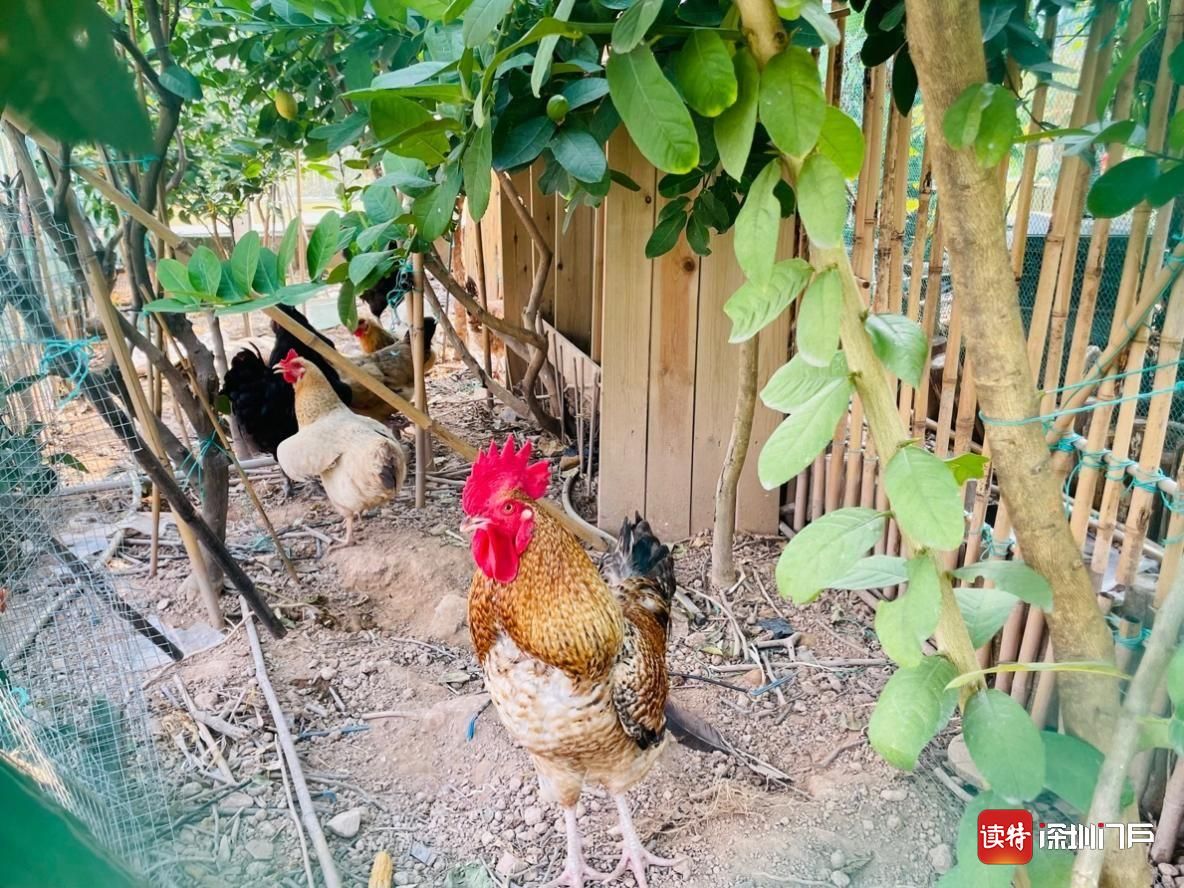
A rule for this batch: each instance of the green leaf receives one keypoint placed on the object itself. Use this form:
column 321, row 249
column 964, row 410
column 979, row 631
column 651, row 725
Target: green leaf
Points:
column 1086, row 668
column 482, row 18
column 584, row 91
column 380, row 203
column 407, row 174
column 758, row 225
column 1050, row 869
column 998, row 126
column 205, row 271
column 295, row 294
column 1005, row 745
column 925, row 498
column 907, row 622
column 703, row 68
column 665, row 235
column 803, row 435
column 904, row 81
column 630, row 29
column 913, row 706
column 798, row 381
column 1072, row 767
column 1168, row 186
column 900, row 344
column 244, row 260
column 842, row 141
column 525, row 142
column 266, row 279
column 542, row 58
column 984, row 611
column 368, row 238
column 1130, row 54
column 826, row 550
column 60, row 70
column 964, row 116
column 754, row 306
column 821, row 21
column 874, row 572
column 477, row 166
column 174, row 277
column 322, row 245
column 970, row 872
column 347, row 305
column 1013, row 577
column 1122, row 187
column 399, row 120
column 580, row 154
column 653, row 112
column 180, row 82
column 734, row 128
column 968, row 467
column 361, row 266
column 818, row 318
column 791, row 104
column 412, row 75
column 1176, row 63
column 433, row 211
column 822, row 200
column 287, row 249
column 1175, row 678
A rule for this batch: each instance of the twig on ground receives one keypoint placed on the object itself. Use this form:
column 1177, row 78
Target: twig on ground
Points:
column 295, row 819
column 830, row 757
column 287, row 748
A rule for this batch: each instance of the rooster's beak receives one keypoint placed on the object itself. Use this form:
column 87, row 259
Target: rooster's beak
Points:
column 472, row 524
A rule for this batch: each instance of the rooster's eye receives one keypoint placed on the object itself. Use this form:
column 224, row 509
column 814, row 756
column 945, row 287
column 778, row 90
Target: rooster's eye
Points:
column 508, row 508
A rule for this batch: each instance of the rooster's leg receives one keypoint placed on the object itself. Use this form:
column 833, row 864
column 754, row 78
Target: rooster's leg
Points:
column 634, row 855
column 349, row 530
column 575, row 871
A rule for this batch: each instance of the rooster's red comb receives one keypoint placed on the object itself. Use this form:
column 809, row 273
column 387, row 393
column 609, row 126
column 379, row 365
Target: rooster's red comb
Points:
column 497, row 471
column 289, row 357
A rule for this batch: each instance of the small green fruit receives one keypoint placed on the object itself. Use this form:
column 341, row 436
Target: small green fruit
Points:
column 557, row 108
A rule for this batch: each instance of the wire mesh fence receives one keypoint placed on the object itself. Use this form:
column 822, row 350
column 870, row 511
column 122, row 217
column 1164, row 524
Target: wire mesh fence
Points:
column 73, row 712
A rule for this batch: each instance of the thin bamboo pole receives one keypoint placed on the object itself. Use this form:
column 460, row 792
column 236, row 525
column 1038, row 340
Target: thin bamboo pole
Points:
column 1154, row 436
column 917, row 400
column 1023, row 207
column 1064, row 198
column 422, row 443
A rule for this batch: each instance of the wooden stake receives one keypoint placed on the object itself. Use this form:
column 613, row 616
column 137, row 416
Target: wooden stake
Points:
column 422, row 443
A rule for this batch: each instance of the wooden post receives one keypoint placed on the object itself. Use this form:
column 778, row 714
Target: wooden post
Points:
column 422, row 444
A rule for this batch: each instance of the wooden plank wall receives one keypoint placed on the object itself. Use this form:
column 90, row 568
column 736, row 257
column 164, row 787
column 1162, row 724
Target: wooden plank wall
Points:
column 667, row 415
column 658, row 330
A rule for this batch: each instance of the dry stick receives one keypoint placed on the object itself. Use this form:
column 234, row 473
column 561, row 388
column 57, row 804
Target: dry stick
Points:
column 458, row 445
column 1106, row 804
column 305, row 862
column 157, row 409
column 766, row 36
column 723, row 568
column 492, row 386
column 287, row 748
column 483, row 296
column 530, row 314
column 1168, row 829
column 1023, row 206
column 422, row 443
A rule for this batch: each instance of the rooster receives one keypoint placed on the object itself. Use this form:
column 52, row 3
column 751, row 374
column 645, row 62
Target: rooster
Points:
column 263, row 404
column 575, row 665
column 360, row 462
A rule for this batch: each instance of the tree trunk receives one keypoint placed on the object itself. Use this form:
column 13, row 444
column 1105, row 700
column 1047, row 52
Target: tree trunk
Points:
column 945, row 41
column 723, row 568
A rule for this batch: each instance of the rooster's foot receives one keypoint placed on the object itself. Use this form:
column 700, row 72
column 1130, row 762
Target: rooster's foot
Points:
column 575, row 871
column 634, row 855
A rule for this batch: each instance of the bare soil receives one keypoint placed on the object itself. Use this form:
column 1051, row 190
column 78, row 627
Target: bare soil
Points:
column 380, row 687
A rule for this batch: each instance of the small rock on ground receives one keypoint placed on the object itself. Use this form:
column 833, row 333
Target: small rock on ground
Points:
column 347, row 823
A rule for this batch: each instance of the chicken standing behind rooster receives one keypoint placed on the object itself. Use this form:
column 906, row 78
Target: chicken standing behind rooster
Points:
column 575, row 667
column 360, row 462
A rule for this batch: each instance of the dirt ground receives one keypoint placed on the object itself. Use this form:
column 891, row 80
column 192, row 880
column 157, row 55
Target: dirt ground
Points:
column 383, row 694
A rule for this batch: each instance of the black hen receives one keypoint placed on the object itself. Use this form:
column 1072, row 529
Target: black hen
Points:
column 390, row 289
column 262, row 403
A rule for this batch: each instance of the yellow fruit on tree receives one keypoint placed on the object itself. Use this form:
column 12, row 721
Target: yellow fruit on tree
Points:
column 285, row 105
